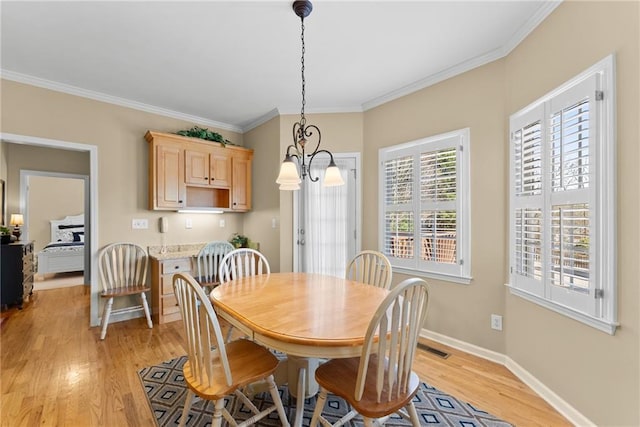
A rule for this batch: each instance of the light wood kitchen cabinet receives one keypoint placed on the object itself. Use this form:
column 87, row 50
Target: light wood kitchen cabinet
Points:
column 191, row 173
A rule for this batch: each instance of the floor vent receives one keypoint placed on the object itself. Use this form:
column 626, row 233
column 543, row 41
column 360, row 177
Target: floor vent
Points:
column 435, row 351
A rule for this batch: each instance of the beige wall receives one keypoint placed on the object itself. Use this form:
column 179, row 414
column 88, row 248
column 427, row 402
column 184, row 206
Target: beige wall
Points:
column 474, row 100
column 265, row 141
column 597, row 373
column 3, row 175
column 25, row 157
column 118, row 134
column 51, row 198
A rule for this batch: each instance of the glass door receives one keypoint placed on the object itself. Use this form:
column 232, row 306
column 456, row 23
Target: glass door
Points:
column 327, row 233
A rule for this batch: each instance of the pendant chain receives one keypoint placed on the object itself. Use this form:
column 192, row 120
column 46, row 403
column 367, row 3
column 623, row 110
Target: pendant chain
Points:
column 302, row 71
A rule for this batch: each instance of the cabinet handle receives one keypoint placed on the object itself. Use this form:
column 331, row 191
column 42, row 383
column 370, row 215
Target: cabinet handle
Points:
column 206, row 177
column 179, row 201
column 176, row 267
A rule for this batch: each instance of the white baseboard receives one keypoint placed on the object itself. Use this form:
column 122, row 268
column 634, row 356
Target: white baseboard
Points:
column 560, row 405
column 569, row 412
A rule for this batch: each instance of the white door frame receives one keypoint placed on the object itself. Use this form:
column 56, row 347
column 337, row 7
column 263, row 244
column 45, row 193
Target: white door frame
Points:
column 358, row 222
column 24, row 206
column 91, row 199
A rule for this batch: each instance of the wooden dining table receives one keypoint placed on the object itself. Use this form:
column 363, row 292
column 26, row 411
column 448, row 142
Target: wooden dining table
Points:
column 307, row 316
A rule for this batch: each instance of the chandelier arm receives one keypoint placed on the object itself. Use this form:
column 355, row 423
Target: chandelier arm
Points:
column 313, row 156
column 308, row 132
column 296, row 154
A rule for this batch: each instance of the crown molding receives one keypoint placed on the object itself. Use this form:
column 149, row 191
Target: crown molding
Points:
column 260, row 120
column 434, row 79
column 535, row 20
column 543, row 11
column 540, row 15
column 98, row 96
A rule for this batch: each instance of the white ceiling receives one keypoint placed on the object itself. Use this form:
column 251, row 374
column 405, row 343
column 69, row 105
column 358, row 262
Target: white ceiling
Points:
column 233, row 63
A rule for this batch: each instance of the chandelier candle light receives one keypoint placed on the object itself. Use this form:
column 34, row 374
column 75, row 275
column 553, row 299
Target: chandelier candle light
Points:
column 289, row 179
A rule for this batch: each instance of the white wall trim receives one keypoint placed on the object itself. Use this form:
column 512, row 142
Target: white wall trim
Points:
column 92, row 198
column 470, row 64
column 103, row 97
column 560, row 405
column 563, row 407
column 260, row 120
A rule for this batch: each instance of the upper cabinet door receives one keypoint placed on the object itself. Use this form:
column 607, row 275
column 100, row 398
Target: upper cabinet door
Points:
column 196, row 167
column 170, row 189
column 220, row 174
column 241, row 189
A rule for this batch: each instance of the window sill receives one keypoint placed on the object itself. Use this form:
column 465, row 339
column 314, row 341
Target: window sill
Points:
column 463, row 280
column 600, row 324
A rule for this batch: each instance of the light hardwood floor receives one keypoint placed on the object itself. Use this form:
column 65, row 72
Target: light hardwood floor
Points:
column 56, row 372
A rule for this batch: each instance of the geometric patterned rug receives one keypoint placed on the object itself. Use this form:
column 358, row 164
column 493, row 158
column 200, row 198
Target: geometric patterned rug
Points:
column 166, row 391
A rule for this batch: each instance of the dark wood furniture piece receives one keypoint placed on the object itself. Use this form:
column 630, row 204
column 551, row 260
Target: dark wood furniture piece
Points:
column 16, row 273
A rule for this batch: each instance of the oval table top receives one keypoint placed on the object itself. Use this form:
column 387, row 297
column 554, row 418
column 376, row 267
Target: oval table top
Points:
column 302, row 314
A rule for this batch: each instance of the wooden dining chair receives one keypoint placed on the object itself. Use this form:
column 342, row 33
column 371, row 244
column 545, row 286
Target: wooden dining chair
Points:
column 380, row 382
column 242, row 262
column 208, row 262
column 215, row 369
column 123, row 272
column 370, row 267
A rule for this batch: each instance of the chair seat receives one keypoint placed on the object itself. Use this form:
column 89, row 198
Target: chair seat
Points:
column 248, row 363
column 130, row 290
column 202, row 281
column 339, row 376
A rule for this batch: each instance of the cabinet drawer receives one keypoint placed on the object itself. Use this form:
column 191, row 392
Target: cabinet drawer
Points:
column 169, row 305
column 175, row 265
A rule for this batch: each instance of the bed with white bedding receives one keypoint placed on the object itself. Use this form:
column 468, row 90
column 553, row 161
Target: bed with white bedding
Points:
column 65, row 252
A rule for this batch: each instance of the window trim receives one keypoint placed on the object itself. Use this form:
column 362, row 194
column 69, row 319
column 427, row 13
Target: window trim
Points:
column 463, row 201
column 604, row 181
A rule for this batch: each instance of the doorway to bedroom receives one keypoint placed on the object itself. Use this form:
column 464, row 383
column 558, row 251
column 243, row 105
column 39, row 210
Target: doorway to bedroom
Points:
column 54, row 207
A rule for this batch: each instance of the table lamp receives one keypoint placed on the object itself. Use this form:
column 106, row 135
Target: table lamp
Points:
column 17, row 220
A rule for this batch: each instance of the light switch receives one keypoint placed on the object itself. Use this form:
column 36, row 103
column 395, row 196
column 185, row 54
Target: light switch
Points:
column 139, row 223
column 222, row 223
column 188, row 223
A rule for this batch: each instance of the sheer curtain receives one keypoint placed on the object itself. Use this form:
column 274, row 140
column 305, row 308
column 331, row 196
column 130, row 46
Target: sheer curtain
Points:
column 325, row 224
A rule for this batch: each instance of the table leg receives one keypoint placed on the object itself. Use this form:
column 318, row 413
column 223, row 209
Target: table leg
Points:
column 302, row 382
column 300, row 398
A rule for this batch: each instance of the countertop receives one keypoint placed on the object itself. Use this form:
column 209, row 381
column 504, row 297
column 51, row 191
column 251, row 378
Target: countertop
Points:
column 175, row 251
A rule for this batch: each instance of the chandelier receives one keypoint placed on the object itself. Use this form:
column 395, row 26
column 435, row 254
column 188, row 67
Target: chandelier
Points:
column 303, row 134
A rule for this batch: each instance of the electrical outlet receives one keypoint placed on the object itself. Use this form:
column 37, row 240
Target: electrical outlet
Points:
column 496, row 322
column 139, row 223
column 188, row 223
column 222, row 223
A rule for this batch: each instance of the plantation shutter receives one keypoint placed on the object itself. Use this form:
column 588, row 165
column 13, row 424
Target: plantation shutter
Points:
column 527, row 220
column 399, row 218
column 572, row 197
column 438, row 208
